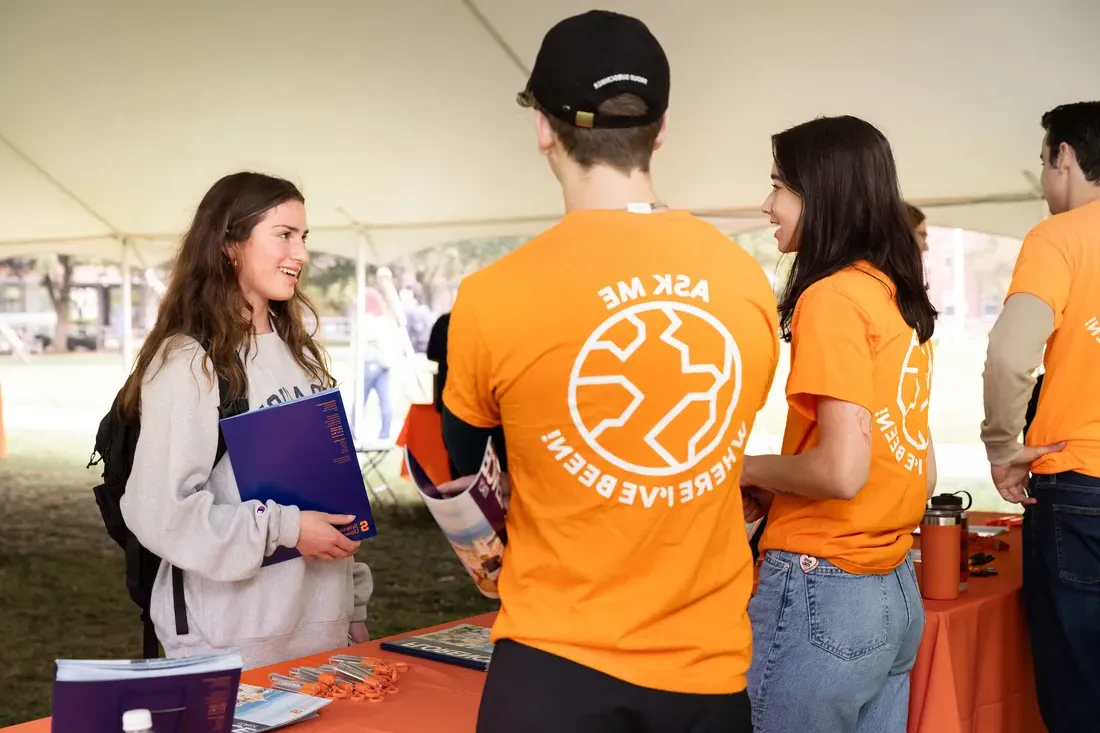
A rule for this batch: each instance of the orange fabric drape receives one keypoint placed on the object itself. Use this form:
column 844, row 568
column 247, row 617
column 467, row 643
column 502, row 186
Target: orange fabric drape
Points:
column 422, row 434
column 974, row 672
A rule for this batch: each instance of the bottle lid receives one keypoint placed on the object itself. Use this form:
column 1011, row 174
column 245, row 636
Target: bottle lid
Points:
column 947, row 500
column 137, row 721
column 953, row 500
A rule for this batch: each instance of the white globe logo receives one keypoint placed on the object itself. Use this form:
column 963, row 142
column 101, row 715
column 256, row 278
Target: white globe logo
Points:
column 697, row 412
column 914, row 388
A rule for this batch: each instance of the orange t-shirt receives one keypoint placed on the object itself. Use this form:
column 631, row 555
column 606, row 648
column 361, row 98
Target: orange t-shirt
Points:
column 849, row 342
column 1059, row 263
column 626, row 356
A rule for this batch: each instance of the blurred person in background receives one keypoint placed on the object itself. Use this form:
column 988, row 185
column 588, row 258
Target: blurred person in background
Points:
column 383, row 352
column 918, row 222
column 418, row 317
column 437, row 352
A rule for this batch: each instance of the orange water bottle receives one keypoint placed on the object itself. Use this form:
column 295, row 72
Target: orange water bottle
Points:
column 954, row 503
column 940, row 548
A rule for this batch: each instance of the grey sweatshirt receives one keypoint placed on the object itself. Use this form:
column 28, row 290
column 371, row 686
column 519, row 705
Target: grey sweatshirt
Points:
column 194, row 518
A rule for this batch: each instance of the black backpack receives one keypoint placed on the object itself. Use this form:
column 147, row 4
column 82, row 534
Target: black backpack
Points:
column 115, row 443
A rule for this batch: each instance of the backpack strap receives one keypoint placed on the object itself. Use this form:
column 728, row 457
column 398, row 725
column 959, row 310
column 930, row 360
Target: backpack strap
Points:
column 179, row 604
column 224, row 405
column 150, row 646
column 226, row 408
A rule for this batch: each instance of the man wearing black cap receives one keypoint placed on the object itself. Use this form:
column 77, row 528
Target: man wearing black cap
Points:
column 624, row 355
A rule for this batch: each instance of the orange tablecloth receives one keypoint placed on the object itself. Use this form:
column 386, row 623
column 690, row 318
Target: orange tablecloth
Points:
column 433, row 698
column 973, row 672
column 422, row 434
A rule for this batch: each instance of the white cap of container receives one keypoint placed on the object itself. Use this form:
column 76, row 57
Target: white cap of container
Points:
column 137, row 721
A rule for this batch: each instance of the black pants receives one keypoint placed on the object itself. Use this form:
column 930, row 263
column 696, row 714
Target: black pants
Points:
column 1062, row 598
column 530, row 691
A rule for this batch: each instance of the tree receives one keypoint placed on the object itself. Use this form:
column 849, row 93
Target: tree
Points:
column 439, row 269
column 761, row 244
column 58, row 281
column 18, row 266
column 331, row 281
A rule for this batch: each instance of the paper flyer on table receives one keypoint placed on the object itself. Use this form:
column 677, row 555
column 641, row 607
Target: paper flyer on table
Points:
column 465, row 645
column 471, row 512
column 260, row 709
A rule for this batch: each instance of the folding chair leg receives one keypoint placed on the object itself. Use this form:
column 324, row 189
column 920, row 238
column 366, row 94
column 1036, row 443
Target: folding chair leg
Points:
column 371, row 469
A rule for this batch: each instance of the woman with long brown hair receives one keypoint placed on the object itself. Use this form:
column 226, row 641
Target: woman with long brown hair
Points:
column 234, row 309
column 837, row 616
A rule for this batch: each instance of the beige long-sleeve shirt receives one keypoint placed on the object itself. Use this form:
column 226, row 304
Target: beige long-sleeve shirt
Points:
column 1015, row 352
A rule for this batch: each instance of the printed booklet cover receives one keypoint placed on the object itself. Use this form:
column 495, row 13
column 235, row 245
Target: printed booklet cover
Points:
column 260, row 709
column 465, row 645
column 189, row 695
column 470, row 511
column 299, row 453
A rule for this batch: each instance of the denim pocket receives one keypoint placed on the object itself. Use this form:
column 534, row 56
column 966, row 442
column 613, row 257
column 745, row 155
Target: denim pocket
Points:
column 849, row 614
column 1077, row 536
column 913, row 574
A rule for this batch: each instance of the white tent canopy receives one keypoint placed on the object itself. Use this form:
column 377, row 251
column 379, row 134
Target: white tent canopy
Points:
column 403, row 115
column 399, row 122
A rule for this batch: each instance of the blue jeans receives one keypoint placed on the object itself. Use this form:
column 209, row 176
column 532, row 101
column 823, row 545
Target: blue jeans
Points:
column 377, row 380
column 832, row 651
column 1062, row 598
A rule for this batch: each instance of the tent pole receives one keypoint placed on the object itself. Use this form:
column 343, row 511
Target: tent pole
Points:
column 958, row 256
column 127, row 308
column 151, row 276
column 357, row 355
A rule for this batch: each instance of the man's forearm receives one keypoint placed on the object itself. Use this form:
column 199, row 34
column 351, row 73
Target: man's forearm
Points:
column 1015, row 352
column 466, row 443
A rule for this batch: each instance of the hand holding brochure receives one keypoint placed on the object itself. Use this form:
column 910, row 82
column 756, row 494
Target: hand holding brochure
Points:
column 299, row 453
column 190, row 695
column 471, row 512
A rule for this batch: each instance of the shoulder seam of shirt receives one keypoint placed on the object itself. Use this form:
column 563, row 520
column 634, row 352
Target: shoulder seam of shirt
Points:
column 831, row 287
column 1055, row 245
column 1039, row 233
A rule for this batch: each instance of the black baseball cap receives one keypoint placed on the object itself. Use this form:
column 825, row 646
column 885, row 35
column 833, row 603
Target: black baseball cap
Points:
column 590, row 58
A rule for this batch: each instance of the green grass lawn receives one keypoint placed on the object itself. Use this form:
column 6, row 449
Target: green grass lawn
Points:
column 62, row 582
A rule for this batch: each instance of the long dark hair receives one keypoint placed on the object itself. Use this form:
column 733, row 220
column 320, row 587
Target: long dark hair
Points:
column 204, row 299
column 843, row 170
